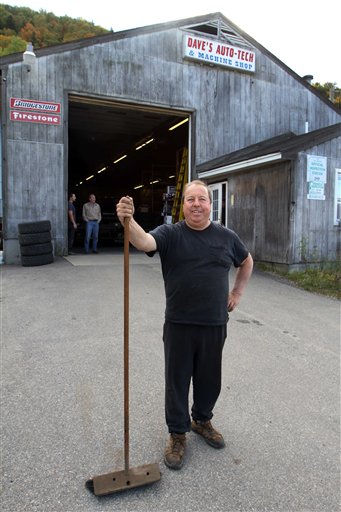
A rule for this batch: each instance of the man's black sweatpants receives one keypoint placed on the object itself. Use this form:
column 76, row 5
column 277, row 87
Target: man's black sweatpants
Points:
column 192, row 352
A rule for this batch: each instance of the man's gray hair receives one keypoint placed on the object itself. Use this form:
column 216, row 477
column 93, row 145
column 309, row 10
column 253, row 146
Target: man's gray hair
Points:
column 198, row 182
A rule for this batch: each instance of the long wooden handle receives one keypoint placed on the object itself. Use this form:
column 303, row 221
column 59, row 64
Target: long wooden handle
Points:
column 126, row 343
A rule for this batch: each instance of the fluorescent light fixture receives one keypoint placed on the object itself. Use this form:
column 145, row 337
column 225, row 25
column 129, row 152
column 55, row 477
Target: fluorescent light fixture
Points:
column 144, row 144
column 119, row 159
column 101, row 170
column 138, row 186
column 155, row 181
column 171, row 176
column 178, row 124
column 89, row 177
column 81, row 183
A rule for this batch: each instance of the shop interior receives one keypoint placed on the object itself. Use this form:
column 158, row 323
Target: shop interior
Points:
column 117, row 149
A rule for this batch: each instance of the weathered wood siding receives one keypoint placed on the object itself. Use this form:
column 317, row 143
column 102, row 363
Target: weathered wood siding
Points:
column 315, row 238
column 270, row 210
column 233, row 110
column 32, row 186
column 259, row 209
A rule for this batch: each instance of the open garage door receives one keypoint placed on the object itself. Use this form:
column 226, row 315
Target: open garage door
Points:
column 117, row 149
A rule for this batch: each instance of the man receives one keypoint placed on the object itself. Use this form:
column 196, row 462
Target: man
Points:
column 92, row 216
column 72, row 224
column 196, row 255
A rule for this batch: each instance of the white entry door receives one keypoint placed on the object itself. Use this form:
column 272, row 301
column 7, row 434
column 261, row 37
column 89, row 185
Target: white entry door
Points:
column 218, row 211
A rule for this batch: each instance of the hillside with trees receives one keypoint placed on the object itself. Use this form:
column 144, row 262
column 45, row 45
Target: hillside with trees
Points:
column 21, row 25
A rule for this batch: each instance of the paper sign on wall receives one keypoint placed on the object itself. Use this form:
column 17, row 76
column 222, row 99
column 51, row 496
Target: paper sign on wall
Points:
column 317, row 168
column 316, row 191
column 316, row 176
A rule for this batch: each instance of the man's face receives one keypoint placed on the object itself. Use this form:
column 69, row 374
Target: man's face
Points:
column 73, row 198
column 92, row 198
column 197, row 207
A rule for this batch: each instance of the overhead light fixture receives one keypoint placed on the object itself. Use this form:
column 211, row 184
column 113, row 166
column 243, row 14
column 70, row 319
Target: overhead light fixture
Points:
column 155, row 181
column 171, row 176
column 81, row 183
column 119, row 159
column 29, row 57
column 138, row 186
column 178, row 124
column 89, row 177
column 101, row 170
column 144, row 144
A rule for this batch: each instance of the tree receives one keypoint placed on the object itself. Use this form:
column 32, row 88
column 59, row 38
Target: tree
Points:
column 30, row 34
column 330, row 91
column 41, row 28
column 11, row 44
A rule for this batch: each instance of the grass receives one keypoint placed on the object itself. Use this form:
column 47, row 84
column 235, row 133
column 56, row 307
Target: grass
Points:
column 325, row 281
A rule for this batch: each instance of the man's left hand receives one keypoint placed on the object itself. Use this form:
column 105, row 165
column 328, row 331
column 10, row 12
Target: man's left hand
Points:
column 233, row 301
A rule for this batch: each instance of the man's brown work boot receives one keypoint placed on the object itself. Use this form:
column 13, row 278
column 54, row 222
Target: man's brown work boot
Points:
column 174, row 451
column 211, row 436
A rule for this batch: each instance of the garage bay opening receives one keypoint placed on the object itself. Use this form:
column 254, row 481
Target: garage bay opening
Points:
column 117, row 149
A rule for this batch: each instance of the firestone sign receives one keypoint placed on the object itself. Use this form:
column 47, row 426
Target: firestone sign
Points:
column 32, row 111
column 219, row 53
column 28, row 117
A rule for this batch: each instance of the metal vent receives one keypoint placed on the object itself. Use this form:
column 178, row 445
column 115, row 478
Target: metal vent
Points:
column 220, row 30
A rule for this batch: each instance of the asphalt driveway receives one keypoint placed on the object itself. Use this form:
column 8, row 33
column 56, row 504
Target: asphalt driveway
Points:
column 62, row 394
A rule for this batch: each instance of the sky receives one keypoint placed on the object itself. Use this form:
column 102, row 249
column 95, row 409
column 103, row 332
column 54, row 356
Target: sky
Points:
column 302, row 34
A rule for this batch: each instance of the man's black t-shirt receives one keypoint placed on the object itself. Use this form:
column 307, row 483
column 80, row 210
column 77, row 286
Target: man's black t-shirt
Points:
column 195, row 266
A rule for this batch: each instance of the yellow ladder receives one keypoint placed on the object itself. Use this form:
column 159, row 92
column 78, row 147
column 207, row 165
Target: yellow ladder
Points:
column 177, row 212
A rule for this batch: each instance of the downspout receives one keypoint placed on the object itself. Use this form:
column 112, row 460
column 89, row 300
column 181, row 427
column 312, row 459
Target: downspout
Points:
column 292, row 212
column 3, row 159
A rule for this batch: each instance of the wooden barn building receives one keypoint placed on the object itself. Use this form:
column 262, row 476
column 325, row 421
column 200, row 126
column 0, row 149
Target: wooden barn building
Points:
column 141, row 111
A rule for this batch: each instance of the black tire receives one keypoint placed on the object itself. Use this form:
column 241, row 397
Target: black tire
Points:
column 36, row 249
column 34, row 227
column 34, row 261
column 35, row 238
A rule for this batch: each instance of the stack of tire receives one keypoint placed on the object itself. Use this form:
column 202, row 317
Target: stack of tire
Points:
column 35, row 243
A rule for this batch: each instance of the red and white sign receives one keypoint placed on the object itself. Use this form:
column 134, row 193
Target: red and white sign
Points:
column 34, row 117
column 219, row 53
column 44, row 106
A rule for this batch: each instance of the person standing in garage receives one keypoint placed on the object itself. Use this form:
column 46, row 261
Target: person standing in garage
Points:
column 92, row 217
column 72, row 224
column 196, row 255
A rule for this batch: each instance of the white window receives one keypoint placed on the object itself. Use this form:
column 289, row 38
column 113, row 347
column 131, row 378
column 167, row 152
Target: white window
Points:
column 337, row 198
column 218, row 210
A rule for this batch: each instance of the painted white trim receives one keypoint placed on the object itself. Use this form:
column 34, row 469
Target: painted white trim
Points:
column 189, row 154
column 219, row 188
column 240, row 165
column 337, row 197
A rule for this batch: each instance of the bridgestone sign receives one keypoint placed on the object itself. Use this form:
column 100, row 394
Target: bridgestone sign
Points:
column 43, row 112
